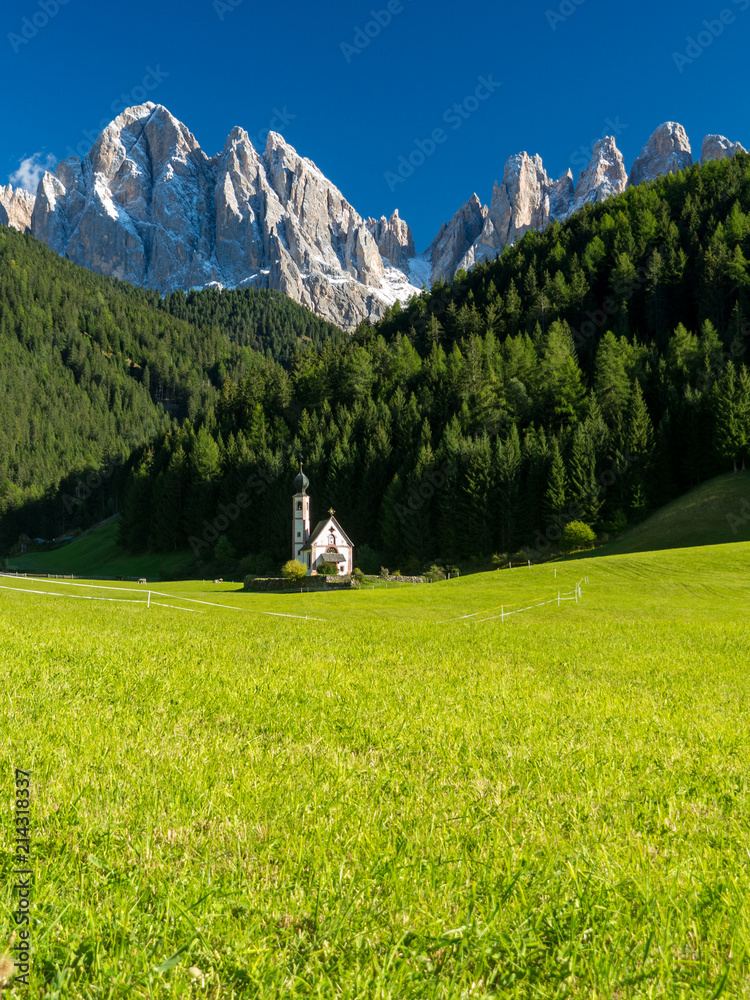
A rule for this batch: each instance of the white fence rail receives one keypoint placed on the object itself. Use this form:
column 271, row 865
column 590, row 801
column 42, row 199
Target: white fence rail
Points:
column 510, row 609
column 147, row 599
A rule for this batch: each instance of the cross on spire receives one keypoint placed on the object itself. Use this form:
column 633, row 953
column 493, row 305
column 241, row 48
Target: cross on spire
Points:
column 331, row 511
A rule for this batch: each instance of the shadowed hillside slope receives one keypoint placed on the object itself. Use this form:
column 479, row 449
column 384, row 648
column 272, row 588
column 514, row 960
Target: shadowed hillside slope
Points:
column 714, row 513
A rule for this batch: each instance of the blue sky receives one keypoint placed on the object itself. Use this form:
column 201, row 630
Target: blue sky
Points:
column 356, row 91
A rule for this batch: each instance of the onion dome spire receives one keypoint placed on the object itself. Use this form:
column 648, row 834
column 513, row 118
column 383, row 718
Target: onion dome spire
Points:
column 301, row 482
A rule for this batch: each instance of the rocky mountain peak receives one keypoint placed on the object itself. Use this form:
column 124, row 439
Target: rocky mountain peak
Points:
column 527, row 198
column 146, row 204
column 447, row 250
column 238, row 134
column 16, row 207
column 561, row 195
column 605, row 175
column 666, row 152
column 718, row 147
column 394, row 238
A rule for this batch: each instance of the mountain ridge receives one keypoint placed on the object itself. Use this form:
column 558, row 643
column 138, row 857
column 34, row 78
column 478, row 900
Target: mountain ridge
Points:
column 148, row 205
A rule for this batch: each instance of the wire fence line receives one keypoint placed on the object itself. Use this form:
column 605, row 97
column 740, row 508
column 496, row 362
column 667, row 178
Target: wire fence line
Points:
column 148, row 598
column 80, row 597
column 476, row 617
column 65, row 582
column 93, row 597
column 506, row 610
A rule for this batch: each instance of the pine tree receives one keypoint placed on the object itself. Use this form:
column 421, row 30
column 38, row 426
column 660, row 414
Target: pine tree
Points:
column 535, row 458
column 585, row 489
column 655, row 297
column 473, row 528
column 640, row 448
column 561, row 376
column 417, row 533
column 394, row 513
column 731, row 426
column 508, row 463
column 167, row 531
column 556, row 494
column 743, row 412
column 134, row 527
column 204, row 466
column 611, row 380
column 512, row 309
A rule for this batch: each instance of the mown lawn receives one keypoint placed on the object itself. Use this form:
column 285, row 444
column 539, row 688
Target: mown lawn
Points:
column 378, row 805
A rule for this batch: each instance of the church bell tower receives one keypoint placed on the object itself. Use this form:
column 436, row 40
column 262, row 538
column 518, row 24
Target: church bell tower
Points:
column 301, row 520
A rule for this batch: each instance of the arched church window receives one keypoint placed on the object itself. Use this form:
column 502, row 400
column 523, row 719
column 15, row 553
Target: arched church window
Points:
column 332, row 548
column 299, row 505
column 331, row 539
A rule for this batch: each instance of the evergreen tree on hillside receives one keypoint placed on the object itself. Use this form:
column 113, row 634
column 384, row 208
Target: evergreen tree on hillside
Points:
column 561, row 376
column 556, row 495
column 169, row 498
column 585, row 489
column 203, row 471
column 134, row 523
column 743, row 409
column 508, row 464
column 611, row 381
column 732, row 416
column 640, row 448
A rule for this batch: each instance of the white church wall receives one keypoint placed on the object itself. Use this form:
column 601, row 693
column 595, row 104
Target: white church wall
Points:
column 330, row 537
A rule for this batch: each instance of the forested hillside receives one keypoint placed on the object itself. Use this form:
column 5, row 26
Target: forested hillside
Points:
column 593, row 372
column 265, row 321
column 91, row 368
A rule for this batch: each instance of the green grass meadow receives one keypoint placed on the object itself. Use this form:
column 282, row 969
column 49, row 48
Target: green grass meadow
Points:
column 373, row 800
column 97, row 554
column 716, row 512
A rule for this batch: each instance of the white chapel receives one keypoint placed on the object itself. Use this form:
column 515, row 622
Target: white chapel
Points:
column 326, row 543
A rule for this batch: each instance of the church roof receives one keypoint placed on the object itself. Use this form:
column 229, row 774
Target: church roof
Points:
column 333, row 557
column 322, row 525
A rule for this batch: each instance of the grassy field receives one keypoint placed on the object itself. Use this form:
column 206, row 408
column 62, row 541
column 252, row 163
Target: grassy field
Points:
column 715, row 513
column 376, row 800
column 97, row 554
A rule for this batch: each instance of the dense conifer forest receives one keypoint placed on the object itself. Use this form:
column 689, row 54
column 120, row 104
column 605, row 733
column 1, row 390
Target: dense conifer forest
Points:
column 91, row 368
column 592, row 372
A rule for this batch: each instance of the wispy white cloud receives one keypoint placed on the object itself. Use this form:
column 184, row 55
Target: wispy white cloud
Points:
column 30, row 171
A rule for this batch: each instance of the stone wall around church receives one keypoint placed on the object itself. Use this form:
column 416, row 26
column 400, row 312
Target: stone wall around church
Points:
column 307, row 584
